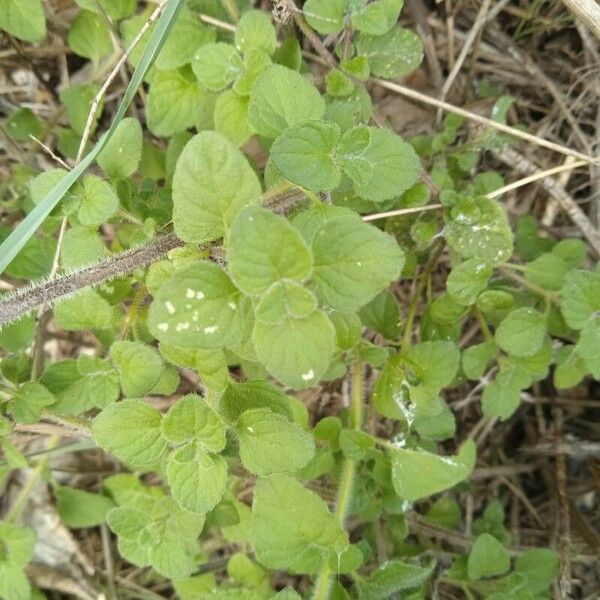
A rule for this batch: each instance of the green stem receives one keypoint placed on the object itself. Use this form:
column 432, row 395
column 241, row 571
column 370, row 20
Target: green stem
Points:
column 485, row 330
column 71, row 422
column 414, row 301
column 231, row 9
column 133, row 311
column 19, row 504
column 322, row 589
column 536, row 289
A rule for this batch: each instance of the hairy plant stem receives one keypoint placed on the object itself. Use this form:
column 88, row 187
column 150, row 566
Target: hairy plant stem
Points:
column 43, row 293
column 26, row 299
column 322, row 588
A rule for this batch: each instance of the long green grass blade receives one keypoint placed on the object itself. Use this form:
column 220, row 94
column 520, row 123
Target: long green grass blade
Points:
column 18, row 238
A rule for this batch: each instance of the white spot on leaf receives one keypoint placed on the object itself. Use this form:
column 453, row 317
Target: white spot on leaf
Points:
column 163, row 326
column 211, row 329
column 308, row 375
column 182, row 326
column 170, row 308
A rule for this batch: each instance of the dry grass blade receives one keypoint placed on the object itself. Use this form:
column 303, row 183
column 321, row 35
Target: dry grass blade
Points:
column 588, row 11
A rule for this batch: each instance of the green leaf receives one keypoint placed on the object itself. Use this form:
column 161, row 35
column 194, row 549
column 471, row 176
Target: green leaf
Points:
column 81, row 385
column 479, row 229
column 308, row 221
column 580, row 298
column 522, row 332
column 588, row 348
column 570, row 368
column 540, row 566
column 171, row 559
column 28, row 403
column 18, row 238
column 81, row 246
column 139, row 367
column 418, row 474
column 197, row 479
column 389, row 579
column 85, row 310
column 22, row 123
column 18, row 543
column 379, row 162
column 255, row 62
column 353, row 262
column 210, row 364
column 231, row 117
column 190, row 418
column 99, row 202
column 213, row 182
column 355, row 443
column 249, row 573
column 189, row 34
column 547, row 270
column 240, row 397
column 391, row 394
column 351, row 151
column 297, row 351
column 255, row 30
column 382, row 315
column 217, row 65
column 347, row 328
column 161, row 535
column 398, row 52
column 77, row 100
column 24, row 19
column 14, row 583
column 500, row 398
column 197, row 307
column 376, row 18
column 292, row 527
column 123, row 152
column 338, row 84
column 467, row 280
column 434, row 365
column 78, row 508
column 89, row 36
column 173, row 102
column 325, row 17
column 304, row 155
column 445, row 512
column 270, row 443
column 282, row 98
column 476, row 358
column 34, row 260
column 263, row 249
column 357, row 67
column 130, row 430
column 116, row 9
column 19, row 334
column 285, row 299
column 488, row 558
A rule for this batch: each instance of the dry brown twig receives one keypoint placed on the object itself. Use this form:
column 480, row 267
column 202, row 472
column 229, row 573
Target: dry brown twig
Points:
column 469, row 42
column 524, row 166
